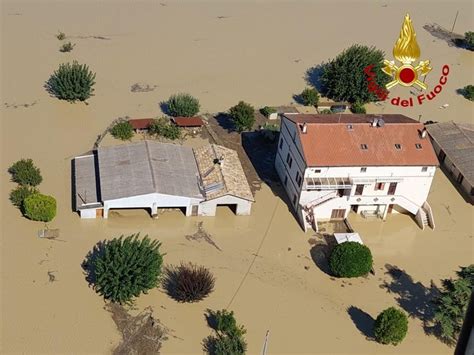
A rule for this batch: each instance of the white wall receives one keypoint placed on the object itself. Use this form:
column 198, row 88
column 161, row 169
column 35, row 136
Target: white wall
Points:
column 88, row 212
column 208, row 208
column 151, row 201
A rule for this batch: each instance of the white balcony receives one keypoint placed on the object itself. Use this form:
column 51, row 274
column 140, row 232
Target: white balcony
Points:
column 326, row 183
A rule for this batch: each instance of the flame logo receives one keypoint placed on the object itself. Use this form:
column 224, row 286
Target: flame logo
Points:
column 406, row 49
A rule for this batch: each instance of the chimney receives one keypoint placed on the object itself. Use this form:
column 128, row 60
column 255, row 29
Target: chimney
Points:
column 374, row 122
column 219, row 161
column 304, row 128
column 424, row 133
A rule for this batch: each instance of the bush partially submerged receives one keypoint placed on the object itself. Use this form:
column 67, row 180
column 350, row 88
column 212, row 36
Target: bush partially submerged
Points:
column 267, row 111
column 358, row 107
column 123, row 268
column 183, row 105
column 164, row 128
column 71, row 82
column 391, row 326
column 40, row 207
column 243, row 115
column 20, row 193
column 61, row 36
column 24, row 172
column 310, row 97
column 350, row 259
column 122, row 130
column 66, row 47
column 229, row 335
column 467, row 92
column 188, row 282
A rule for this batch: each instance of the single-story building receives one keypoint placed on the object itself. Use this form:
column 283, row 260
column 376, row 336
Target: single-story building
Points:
column 454, row 144
column 281, row 110
column 154, row 175
column 141, row 125
column 333, row 106
column 188, row 122
column 223, row 180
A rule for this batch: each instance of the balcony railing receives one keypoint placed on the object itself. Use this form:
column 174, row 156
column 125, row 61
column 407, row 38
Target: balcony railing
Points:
column 326, row 183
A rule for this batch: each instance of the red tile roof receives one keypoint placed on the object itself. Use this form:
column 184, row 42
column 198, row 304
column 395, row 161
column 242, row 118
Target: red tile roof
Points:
column 140, row 123
column 336, row 140
column 188, row 121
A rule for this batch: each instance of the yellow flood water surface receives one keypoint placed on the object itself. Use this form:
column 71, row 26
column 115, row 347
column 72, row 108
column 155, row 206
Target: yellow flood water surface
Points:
column 267, row 270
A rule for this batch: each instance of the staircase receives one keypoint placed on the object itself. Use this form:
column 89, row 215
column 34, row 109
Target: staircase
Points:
column 308, row 209
column 423, row 218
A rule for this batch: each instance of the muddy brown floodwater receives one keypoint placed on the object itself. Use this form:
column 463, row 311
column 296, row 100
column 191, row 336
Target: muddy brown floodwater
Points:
column 221, row 52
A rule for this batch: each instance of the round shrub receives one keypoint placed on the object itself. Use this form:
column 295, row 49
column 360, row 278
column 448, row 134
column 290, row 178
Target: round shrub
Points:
column 350, row 259
column 24, row 172
column 358, row 107
column 183, row 105
column 243, row 115
column 188, row 282
column 391, row 326
column 123, row 268
column 468, row 92
column 122, row 130
column 164, row 128
column 310, row 97
column 40, row 207
column 267, row 111
column 71, row 82
column 20, row 193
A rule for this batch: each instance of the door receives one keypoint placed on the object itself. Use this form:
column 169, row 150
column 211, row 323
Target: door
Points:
column 390, row 208
column 99, row 212
column 194, row 210
column 391, row 188
column 338, row 213
column 355, row 208
column 359, row 190
column 460, row 178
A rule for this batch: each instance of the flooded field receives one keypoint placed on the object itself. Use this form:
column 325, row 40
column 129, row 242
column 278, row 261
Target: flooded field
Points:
column 221, row 52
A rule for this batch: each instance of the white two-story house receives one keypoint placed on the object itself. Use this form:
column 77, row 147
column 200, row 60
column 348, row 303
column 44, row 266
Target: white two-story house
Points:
column 373, row 165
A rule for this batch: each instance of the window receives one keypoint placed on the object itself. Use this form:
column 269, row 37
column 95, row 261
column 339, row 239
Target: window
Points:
column 472, row 191
column 364, row 147
column 418, row 146
column 281, row 142
column 286, row 180
column 297, row 178
column 363, row 170
column 398, row 146
column 424, row 169
column 359, row 190
column 317, row 171
column 289, row 160
column 294, row 199
column 379, row 186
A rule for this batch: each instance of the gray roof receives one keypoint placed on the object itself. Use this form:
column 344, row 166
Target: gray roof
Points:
column 457, row 141
column 86, row 193
column 147, row 167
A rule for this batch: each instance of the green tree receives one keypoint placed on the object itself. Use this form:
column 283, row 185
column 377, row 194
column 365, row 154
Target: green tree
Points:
column 20, row 193
column 164, row 128
column 72, row 82
column 123, row 268
column 267, row 111
column 24, row 172
column 183, row 105
column 391, row 326
column 469, row 40
column 344, row 79
column 229, row 337
column 358, row 107
column 451, row 304
column 243, row 115
column 40, row 207
column 350, row 259
column 310, row 97
column 468, row 92
column 122, row 130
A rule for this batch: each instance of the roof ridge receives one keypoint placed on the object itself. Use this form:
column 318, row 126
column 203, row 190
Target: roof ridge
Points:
column 220, row 167
column 149, row 165
column 461, row 129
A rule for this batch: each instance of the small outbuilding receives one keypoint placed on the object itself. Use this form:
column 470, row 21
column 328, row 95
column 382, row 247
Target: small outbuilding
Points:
column 454, row 144
column 222, row 180
column 141, row 125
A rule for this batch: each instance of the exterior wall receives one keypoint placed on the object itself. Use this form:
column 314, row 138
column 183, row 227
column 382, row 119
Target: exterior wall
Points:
column 88, row 213
column 208, row 208
column 413, row 184
column 151, row 201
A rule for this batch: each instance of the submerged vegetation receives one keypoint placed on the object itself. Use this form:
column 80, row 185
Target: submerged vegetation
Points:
column 243, row 115
column 122, row 130
column 66, row 47
column 38, row 207
column 123, row 268
column 72, row 82
column 229, row 336
column 391, row 326
column 350, row 259
column 183, row 105
column 164, row 128
column 25, row 173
